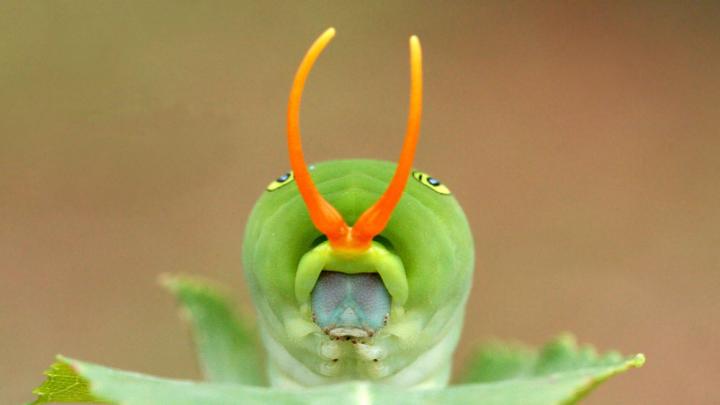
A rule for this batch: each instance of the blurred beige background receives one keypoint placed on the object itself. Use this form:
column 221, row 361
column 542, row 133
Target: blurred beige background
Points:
column 583, row 141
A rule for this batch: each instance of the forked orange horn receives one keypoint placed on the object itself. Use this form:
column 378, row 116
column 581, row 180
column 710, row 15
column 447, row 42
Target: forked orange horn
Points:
column 325, row 217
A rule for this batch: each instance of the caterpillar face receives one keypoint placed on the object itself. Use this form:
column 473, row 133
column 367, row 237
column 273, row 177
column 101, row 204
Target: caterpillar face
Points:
column 367, row 316
column 358, row 271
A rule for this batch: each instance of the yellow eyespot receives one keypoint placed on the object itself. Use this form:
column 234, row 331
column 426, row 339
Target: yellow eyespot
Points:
column 431, row 182
column 286, row 178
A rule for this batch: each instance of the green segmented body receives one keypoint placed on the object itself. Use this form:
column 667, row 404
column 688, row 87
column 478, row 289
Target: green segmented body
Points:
column 429, row 234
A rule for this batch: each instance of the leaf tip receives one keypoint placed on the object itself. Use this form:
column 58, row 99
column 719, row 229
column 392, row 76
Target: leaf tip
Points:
column 638, row 360
column 64, row 382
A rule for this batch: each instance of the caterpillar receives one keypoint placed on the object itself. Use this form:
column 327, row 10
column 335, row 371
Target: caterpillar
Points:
column 382, row 299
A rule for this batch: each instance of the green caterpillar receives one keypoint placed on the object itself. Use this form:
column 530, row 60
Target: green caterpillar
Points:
column 381, row 300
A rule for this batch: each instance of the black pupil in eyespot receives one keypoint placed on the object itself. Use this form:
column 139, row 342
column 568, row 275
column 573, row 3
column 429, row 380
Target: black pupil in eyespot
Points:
column 433, row 181
column 283, row 177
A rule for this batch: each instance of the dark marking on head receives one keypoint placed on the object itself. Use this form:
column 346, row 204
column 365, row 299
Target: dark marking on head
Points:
column 285, row 179
column 430, row 182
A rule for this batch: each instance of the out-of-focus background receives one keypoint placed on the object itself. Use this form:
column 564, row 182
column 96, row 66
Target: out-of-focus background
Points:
column 583, row 141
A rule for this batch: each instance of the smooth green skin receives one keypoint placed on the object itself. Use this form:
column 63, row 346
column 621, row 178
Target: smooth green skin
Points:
column 428, row 232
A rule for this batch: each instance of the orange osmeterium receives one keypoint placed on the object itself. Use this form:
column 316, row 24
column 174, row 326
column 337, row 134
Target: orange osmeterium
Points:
column 325, row 217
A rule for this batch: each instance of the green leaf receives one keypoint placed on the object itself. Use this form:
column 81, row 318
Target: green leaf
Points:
column 227, row 348
column 63, row 384
column 130, row 388
column 560, row 373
